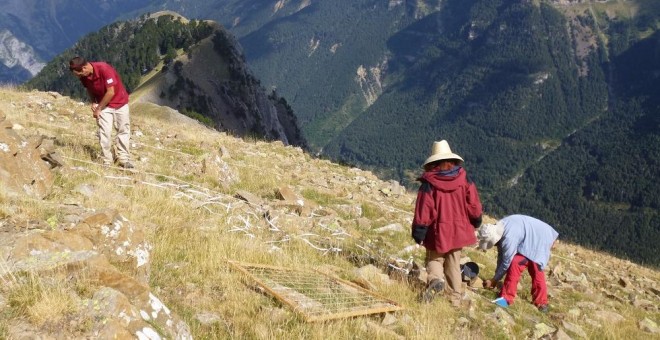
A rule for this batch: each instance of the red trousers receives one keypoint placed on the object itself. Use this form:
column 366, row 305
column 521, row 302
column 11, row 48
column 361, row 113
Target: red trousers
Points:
column 539, row 288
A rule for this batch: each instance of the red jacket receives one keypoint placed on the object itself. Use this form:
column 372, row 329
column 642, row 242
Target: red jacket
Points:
column 445, row 205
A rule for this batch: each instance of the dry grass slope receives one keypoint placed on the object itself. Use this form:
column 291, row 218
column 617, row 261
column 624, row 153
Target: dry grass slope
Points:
column 197, row 224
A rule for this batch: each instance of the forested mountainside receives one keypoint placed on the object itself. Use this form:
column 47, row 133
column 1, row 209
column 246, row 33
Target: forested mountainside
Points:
column 552, row 112
column 328, row 58
column 193, row 66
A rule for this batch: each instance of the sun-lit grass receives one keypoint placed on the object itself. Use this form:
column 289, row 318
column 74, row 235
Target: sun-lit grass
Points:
column 257, row 181
column 370, row 211
column 322, row 199
column 196, row 225
column 52, row 306
column 43, row 304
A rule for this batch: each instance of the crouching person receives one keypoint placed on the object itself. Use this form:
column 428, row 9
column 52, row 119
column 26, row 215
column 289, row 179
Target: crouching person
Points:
column 523, row 242
column 447, row 211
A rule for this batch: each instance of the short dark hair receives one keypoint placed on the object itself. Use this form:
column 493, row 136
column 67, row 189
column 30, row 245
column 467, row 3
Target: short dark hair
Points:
column 430, row 166
column 77, row 63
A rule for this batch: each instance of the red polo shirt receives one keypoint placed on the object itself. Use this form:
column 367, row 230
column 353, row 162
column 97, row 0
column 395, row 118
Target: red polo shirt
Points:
column 105, row 76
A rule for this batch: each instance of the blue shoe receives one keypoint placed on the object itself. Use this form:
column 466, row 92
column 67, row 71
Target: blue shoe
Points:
column 501, row 302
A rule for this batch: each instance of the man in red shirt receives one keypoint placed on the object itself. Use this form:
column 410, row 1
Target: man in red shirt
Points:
column 109, row 106
column 447, row 211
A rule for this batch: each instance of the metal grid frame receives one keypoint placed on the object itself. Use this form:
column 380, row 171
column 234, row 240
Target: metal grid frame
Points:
column 314, row 295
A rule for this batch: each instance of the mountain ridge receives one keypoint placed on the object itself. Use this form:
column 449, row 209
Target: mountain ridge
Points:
column 193, row 66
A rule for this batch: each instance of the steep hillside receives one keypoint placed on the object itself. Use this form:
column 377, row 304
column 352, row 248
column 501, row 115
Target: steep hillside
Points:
column 613, row 162
column 538, row 96
column 199, row 198
column 193, row 66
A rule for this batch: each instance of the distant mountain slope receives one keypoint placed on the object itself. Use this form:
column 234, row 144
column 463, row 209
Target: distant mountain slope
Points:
column 601, row 185
column 501, row 80
column 328, row 58
column 34, row 31
column 553, row 121
column 195, row 67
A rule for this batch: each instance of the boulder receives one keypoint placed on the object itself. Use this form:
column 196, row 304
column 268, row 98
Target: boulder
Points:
column 22, row 171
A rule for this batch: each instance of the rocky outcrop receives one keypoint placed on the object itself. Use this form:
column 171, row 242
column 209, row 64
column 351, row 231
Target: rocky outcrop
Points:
column 115, row 303
column 371, row 81
column 21, row 168
column 16, row 53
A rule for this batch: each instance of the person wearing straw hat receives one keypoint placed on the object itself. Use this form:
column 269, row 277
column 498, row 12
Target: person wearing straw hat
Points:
column 523, row 242
column 447, row 211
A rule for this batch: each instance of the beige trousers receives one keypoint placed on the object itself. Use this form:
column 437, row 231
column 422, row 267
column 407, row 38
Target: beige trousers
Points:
column 118, row 119
column 446, row 267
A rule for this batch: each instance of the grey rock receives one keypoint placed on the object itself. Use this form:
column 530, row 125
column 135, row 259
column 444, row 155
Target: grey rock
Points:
column 502, row 317
column 389, row 320
column 395, row 227
column 625, row 282
column 86, row 190
column 608, row 316
column 560, row 335
column 648, row 325
column 574, row 329
column 541, row 330
column 207, row 318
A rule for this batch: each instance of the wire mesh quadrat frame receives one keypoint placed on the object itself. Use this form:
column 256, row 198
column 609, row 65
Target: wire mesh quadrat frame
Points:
column 314, row 295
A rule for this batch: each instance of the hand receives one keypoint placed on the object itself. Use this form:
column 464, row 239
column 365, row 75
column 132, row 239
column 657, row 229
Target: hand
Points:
column 95, row 110
column 419, row 234
column 490, row 284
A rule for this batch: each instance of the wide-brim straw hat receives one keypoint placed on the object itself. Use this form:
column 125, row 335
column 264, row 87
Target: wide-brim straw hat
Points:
column 440, row 151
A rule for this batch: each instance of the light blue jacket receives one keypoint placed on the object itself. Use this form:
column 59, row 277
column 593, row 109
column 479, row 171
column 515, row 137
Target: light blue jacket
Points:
column 527, row 236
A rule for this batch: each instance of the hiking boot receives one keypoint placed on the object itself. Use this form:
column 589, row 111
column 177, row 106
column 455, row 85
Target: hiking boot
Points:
column 434, row 287
column 126, row 165
column 501, row 302
column 543, row 309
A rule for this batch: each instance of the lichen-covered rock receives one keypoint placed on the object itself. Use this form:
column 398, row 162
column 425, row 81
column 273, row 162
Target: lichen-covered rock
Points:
column 122, row 305
column 120, row 240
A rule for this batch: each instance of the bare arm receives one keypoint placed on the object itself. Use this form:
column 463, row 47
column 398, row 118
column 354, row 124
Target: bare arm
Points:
column 109, row 93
